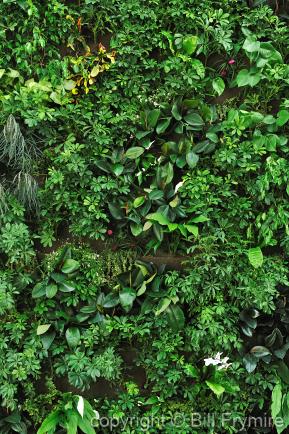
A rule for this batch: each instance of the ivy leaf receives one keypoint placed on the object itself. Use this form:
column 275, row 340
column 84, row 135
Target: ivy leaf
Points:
column 219, row 85
column 255, row 256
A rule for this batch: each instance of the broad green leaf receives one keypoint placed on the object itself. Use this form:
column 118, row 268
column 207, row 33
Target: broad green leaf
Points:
column 136, row 229
column 80, row 405
column 219, row 85
column 110, row 300
column 134, row 152
column 147, row 226
column 39, row 290
column 283, row 371
column 282, row 118
column 163, row 125
column 176, row 112
column 72, row 422
column 41, row 329
column 153, row 117
column 248, row 78
column 251, row 45
column 138, row 201
column 116, row 212
column 192, row 159
column 192, row 229
column 50, row 423
column 117, row 169
column 255, row 256
column 158, row 217
column 66, row 287
column 72, row 335
column 156, row 194
column 47, row 339
column 190, row 43
column 260, row 351
column 127, row 296
column 276, row 400
column 69, row 266
column 199, row 219
column 163, row 305
column 194, row 119
column 51, row 290
column 218, row 389
column 175, row 317
column 158, row 231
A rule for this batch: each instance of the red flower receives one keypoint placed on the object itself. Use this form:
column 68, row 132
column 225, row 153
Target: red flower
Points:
column 109, row 232
column 223, row 73
column 231, row 61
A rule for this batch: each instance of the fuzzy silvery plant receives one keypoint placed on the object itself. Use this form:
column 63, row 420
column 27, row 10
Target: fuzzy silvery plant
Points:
column 18, row 156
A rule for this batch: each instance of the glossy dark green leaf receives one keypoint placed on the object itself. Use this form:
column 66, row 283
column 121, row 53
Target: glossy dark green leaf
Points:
column 163, row 125
column 176, row 317
column 116, row 212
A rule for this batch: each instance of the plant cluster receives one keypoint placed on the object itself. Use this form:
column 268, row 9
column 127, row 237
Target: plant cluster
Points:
column 144, row 217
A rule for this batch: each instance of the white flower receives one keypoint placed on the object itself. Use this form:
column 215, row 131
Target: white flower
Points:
column 178, row 186
column 217, row 361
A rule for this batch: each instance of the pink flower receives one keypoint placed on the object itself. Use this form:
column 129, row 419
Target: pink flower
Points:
column 109, row 232
column 231, row 62
column 223, row 73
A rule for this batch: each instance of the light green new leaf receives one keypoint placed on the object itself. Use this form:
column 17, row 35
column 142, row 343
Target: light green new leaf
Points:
column 134, row 152
column 219, row 85
column 41, row 329
column 255, row 256
column 276, row 401
column 158, row 217
column 218, row 389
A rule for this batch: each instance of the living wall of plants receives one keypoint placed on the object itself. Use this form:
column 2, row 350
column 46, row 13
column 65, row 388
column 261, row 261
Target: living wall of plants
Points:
column 144, row 216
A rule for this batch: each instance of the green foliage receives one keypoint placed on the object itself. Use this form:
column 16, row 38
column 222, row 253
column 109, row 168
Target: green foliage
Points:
column 135, row 134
